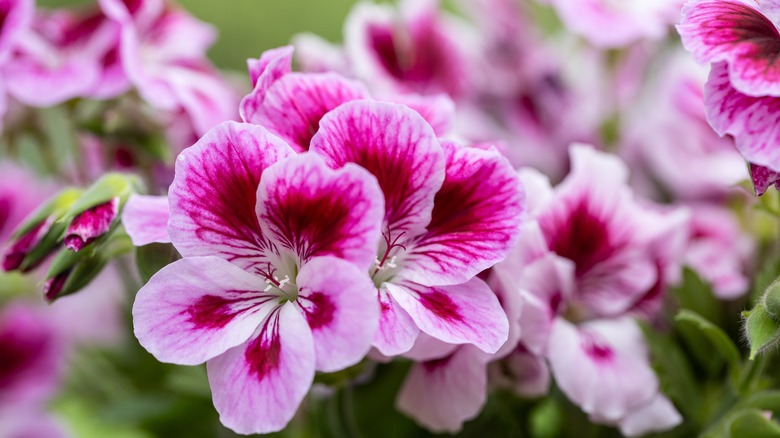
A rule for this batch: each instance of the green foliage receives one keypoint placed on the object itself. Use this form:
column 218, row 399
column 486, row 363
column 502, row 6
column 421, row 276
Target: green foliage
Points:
column 151, row 258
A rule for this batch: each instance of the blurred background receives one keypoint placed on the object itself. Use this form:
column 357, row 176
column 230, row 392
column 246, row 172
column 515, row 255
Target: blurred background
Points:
column 248, row 27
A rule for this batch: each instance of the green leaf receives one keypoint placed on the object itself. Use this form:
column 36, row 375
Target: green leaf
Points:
column 546, row 419
column 751, row 423
column 724, row 345
column 762, row 330
column 674, row 370
column 696, row 295
column 153, row 257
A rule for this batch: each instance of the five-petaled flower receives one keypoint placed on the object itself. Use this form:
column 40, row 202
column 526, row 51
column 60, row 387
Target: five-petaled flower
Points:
column 273, row 282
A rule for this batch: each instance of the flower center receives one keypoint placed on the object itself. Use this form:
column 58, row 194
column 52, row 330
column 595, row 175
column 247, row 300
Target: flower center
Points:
column 387, row 261
column 280, row 283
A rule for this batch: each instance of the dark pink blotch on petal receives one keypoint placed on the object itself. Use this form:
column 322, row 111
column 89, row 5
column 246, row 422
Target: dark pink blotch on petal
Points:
column 468, row 313
column 263, row 353
column 475, row 220
column 214, row 193
column 440, row 305
column 397, row 146
column 346, row 203
column 319, row 311
column 91, row 224
column 211, row 311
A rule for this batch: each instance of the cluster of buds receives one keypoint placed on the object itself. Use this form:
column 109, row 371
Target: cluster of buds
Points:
column 80, row 228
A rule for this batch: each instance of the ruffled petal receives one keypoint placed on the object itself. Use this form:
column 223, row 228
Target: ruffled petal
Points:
column 258, row 386
column 475, row 222
column 145, row 219
column 753, row 121
column 467, row 313
column 213, row 195
column 338, row 302
column 738, row 33
column 397, row 330
column 311, row 210
column 444, row 393
column 398, row 147
column 293, row 106
column 197, row 308
column 612, row 376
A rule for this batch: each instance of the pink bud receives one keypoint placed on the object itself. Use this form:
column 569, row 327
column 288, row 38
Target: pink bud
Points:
column 15, row 254
column 90, row 224
column 53, row 286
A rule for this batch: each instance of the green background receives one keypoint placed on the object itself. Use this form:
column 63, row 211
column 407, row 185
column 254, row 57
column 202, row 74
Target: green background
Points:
column 248, row 27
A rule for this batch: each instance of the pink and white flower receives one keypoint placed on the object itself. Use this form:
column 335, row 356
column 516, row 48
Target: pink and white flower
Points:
column 669, row 143
column 264, row 294
column 740, row 39
column 593, row 219
column 412, row 50
column 450, row 212
column 64, row 55
column 145, row 219
column 163, row 52
column 719, row 251
column 613, row 382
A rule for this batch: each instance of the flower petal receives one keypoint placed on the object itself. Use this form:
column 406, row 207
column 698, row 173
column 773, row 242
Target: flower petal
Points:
column 272, row 65
column 613, row 375
column 657, row 416
column 738, row 33
column 444, row 393
column 397, row 331
column 475, row 222
column 753, row 121
column 145, row 219
column 397, row 146
column 197, row 308
column 258, row 386
column 467, row 313
column 214, row 193
column 438, row 110
column 338, row 302
column 312, row 210
column 293, row 106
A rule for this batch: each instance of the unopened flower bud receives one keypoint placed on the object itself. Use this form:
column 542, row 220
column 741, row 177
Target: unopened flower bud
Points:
column 39, row 235
column 53, row 286
column 15, row 254
column 762, row 325
column 95, row 214
column 70, row 272
column 91, row 224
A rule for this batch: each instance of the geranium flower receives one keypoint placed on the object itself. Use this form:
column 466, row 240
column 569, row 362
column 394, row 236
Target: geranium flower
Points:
column 667, row 138
column 163, row 52
column 741, row 39
column 64, row 55
column 450, row 212
column 273, row 283
column 621, row 248
column 417, row 49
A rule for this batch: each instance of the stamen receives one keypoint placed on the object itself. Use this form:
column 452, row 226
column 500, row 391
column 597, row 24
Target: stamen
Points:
column 391, row 244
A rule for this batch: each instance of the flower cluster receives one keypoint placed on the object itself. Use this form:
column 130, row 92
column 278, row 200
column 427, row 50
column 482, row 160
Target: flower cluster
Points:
column 534, row 205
